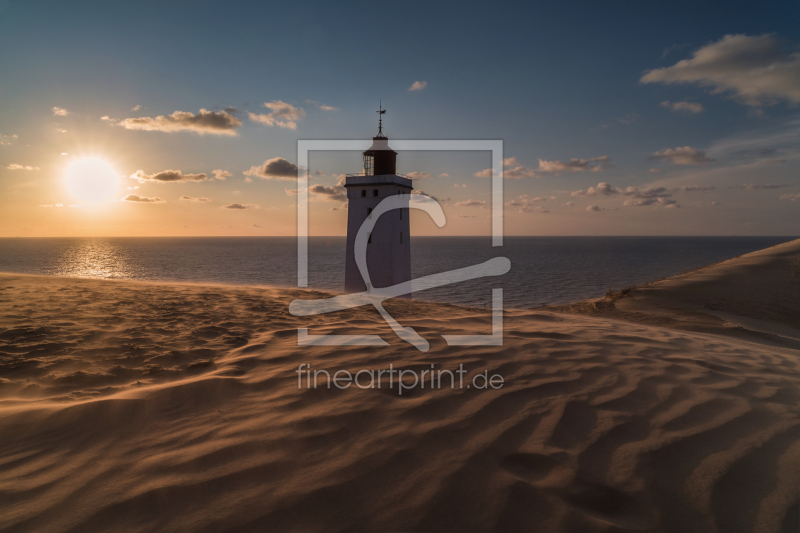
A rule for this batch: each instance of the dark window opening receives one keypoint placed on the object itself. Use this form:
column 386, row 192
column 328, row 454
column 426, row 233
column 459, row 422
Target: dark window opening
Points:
column 374, row 192
column 369, row 212
column 364, row 192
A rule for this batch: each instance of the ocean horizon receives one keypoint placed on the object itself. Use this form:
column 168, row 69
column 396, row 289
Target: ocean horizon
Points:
column 544, row 270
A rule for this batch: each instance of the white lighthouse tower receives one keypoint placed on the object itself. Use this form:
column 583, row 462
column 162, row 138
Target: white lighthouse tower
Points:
column 388, row 248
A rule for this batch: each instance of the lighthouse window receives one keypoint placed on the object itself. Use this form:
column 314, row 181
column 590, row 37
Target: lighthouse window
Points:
column 375, row 192
column 369, row 165
column 363, row 192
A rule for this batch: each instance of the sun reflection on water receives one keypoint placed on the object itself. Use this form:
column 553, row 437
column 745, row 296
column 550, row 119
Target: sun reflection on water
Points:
column 94, row 258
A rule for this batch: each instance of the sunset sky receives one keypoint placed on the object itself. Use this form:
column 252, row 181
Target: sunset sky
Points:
column 181, row 118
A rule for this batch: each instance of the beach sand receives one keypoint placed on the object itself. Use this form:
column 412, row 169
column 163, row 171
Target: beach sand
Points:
column 130, row 407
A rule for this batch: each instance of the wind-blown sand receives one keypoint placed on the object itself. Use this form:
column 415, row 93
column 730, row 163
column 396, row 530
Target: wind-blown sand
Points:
column 146, row 407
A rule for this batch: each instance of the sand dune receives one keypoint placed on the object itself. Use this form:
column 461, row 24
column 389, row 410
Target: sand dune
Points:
column 145, row 407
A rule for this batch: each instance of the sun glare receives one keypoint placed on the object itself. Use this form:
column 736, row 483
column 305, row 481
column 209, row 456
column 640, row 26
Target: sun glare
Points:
column 92, row 181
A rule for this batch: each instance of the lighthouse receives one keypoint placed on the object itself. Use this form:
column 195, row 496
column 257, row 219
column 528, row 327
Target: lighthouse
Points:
column 388, row 245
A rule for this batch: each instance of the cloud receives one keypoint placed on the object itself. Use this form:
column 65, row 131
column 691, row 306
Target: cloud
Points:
column 593, row 164
column 644, row 201
column 8, row 139
column 60, row 112
column 519, row 172
column 471, row 203
column 240, row 206
column 276, row 168
column 205, row 122
column 792, row 197
column 167, row 176
column 334, row 194
column 655, row 170
column 695, row 188
column 14, row 166
column 685, row 155
column 418, row 175
column 137, row 107
column 106, row 118
column 516, row 171
column 754, row 187
column 602, row 189
column 638, row 196
column 142, row 199
column 53, row 205
column 753, row 68
column 322, row 106
column 526, row 204
column 418, row 85
column 688, row 107
column 444, row 175
column 220, row 174
column 440, row 200
column 281, row 114
column 190, row 199
column 594, row 208
column 657, row 192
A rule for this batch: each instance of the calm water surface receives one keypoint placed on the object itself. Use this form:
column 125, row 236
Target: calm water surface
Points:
column 544, row 270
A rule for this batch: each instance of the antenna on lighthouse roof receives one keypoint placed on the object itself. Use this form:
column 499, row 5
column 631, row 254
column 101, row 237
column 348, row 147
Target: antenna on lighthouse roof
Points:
column 381, row 111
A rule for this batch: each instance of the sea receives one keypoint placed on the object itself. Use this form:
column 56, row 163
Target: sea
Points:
column 544, row 270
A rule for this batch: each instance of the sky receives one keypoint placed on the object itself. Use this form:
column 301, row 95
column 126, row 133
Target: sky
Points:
column 182, row 118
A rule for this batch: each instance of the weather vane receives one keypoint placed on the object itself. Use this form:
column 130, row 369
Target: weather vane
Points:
column 381, row 111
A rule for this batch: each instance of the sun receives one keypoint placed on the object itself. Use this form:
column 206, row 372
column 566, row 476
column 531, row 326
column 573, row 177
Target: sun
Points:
column 92, row 180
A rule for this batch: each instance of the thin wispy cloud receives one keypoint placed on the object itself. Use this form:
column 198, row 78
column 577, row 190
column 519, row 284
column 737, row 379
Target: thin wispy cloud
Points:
column 167, row 176
column 220, row 174
column 686, row 107
column 203, row 123
column 60, row 112
column 142, row 199
column 418, row 175
column 418, row 85
column 321, row 106
column 471, row 203
column 15, row 166
column 8, row 139
column 185, row 198
column 753, row 69
column 281, row 114
column 240, row 207
column 592, row 164
column 683, row 155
